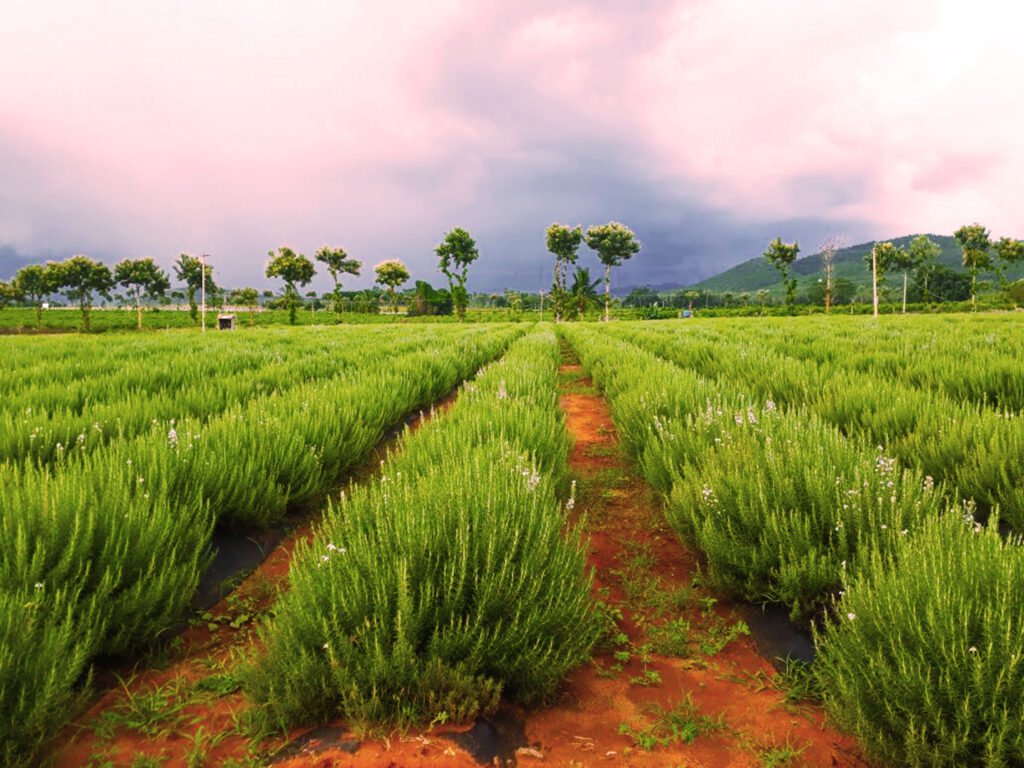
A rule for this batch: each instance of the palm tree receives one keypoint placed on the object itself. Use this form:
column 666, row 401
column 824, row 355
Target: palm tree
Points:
column 584, row 291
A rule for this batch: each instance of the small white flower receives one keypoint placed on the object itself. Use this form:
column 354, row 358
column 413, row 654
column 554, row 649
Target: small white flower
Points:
column 332, row 547
column 972, row 649
column 851, row 616
column 39, row 585
column 327, row 646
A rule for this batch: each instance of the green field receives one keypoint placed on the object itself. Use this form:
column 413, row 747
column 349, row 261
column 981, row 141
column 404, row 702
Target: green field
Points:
column 866, row 475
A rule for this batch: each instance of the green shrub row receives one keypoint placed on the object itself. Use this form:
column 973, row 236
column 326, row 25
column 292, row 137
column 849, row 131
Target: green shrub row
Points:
column 779, row 503
column 921, row 648
column 63, row 408
column 975, row 449
column 448, row 581
column 127, row 527
column 924, row 661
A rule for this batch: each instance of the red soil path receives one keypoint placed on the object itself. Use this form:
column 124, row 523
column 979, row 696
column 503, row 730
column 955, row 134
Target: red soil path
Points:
column 637, row 561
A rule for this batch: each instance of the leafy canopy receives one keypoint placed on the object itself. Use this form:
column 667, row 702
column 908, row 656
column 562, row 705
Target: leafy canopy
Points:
column 613, row 242
column 564, row 241
column 975, row 244
column 391, row 273
column 293, row 268
column 338, row 263
column 455, row 253
column 142, row 277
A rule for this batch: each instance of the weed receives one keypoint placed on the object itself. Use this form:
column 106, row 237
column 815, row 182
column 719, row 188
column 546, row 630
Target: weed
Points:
column 678, row 723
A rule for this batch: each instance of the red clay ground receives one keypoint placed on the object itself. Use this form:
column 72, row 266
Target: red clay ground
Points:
column 702, row 669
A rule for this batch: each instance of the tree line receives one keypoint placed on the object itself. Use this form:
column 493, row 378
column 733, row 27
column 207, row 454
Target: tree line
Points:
column 81, row 280
column 978, row 250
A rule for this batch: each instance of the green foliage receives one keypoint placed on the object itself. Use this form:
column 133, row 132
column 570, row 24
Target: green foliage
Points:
column 192, row 271
column 448, row 581
column 975, row 246
column 427, row 301
column 564, row 242
column 250, row 297
column 924, row 661
column 924, row 255
column 781, row 256
column 455, row 253
column 45, row 643
column 679, row 722
column 391, row 274
column 295, row 269
column 141, row 278
column 78, row 278
column 1010, row 252
column 33, row 284
column 338, row 264
column 108, row 532
column 614, row 243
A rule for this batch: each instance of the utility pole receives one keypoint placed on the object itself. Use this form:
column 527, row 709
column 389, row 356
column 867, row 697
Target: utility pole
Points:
column 542, row 306
column 203, row 290
column 874, row 277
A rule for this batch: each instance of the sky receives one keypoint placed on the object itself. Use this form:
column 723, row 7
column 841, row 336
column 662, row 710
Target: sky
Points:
column 132, row 129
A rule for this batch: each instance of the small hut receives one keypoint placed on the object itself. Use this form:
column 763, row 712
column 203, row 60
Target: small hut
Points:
column 225, row 322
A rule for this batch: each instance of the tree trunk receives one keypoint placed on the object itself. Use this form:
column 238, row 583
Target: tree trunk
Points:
column 974, row 290
column 86, row 320
column 904, row 292
column 874, row 280
column 607, row 291
column 39, row 314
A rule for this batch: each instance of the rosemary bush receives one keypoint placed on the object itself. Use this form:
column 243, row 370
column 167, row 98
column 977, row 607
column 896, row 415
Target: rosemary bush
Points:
column 924, row 661
column 450, row 580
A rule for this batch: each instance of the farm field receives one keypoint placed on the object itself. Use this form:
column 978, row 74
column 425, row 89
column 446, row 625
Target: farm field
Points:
column 565, row 552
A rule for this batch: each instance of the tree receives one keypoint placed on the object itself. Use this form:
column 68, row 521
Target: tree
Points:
column 427, row 301
column 78, row 278
column 33, row 284
column 583, row 291
column 248, row 297
column 906, row 261
column 296, row 270
column 6, row 294
column 763, row 295
column 948, row 285
column 974, row 244
column 141, row 277
column 828, row 253
column 564, row 243
column 882, row 257
column 391, row 274
column 514, row 301
column 338, row 264
column 189, row 269
column 924, row 253
column 781, row 255
column 455, row 253
column 614, row 243
column 1010, row 252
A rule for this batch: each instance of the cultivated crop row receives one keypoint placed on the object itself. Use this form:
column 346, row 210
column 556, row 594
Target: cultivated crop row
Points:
column 977, row 359
column 976, row 449
column 66, row 410
column 920, row 635
column 103, row 553
column 448, row 581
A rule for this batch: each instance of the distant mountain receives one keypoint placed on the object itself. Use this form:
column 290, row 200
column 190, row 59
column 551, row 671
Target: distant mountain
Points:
column 848, row 263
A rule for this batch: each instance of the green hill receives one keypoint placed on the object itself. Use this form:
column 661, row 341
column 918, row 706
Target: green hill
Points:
column 757, row 273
